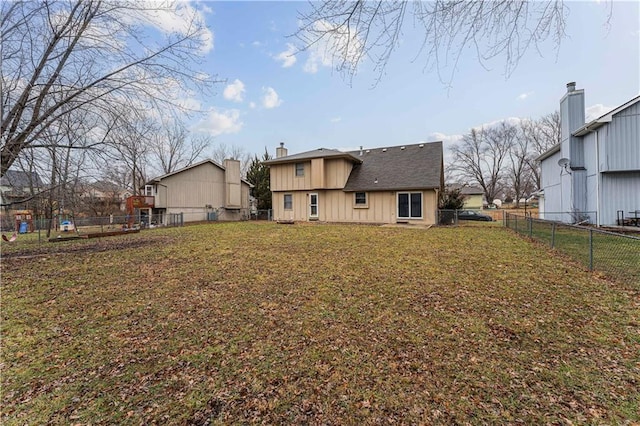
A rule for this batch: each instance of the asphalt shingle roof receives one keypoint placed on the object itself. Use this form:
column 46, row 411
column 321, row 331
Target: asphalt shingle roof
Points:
column 396, row 168
column 20, row 179
column 316, row 153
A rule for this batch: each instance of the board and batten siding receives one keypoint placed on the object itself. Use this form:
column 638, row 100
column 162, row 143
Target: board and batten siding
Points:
column 339, row 206
column 621, row 141
column 319, row 173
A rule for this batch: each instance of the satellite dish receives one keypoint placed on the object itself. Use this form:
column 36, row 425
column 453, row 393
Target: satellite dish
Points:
column 563, row 162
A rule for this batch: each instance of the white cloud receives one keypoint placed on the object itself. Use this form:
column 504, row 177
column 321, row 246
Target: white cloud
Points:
column 219, row 122
column 287, row 57
column 178, row 18
column 596, row 111
column 525, row 95
column 336, row 119
column 344, row 44
column 270, row 98
column 234, row 91
column 257, row 44
column 252, row 105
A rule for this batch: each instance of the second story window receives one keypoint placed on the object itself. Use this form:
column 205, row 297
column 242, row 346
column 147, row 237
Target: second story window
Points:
column 148, row 190
column 299, row 169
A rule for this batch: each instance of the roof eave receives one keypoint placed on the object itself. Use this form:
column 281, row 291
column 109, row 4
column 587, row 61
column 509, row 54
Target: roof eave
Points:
column 549, row 153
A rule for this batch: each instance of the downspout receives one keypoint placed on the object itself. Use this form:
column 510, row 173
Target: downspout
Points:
column 598, row 210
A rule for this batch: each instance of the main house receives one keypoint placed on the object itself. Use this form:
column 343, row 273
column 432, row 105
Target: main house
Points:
column 398, row 184
column 202, row 191
column 593, row 174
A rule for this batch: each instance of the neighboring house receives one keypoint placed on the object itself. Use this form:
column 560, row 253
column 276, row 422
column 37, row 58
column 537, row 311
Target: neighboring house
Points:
column 17, row 185
column 383, row 185
column 473, row 197
column 594, row 172
column 202, row 191
column 102, row 197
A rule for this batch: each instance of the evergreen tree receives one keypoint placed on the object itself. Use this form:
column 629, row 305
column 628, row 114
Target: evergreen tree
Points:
column 258, row 175
column 451, row 199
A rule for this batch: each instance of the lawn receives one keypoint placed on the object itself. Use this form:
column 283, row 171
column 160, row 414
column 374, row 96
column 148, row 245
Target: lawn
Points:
column 236, row 323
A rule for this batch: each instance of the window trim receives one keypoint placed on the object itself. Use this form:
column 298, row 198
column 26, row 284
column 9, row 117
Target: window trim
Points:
column 357, row 205
column 316, row 205
column 409, row 193
column 299, row 167
column 290, row 201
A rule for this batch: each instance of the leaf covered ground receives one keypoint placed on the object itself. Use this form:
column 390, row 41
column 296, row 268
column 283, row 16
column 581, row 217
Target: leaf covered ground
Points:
column 237, row 323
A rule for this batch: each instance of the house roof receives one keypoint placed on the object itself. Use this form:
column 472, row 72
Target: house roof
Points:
column 471, row 190
column 406, row 167
column 548, row 153
column 605, row 118
column 159, row 178
column 20, row 179
column 316, row 153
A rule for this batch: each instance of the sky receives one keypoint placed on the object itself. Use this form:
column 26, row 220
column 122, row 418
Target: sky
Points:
column 269, row 95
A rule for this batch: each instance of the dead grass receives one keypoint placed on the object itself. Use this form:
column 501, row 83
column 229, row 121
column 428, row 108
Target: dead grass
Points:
column 260, row 323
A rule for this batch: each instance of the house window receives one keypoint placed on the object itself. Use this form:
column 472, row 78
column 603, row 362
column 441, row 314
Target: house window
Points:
column 361, row 199
column 148, row 190
column 299, row 169
column 288, row 201
column 409, row 205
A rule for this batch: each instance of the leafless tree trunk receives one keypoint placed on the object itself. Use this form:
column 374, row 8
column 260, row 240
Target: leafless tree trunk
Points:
column 174, row 148
column 60, row 57
column 131, row 141
column 480, row 158
column 222, row 152
column 543, row 133
column 349, row 32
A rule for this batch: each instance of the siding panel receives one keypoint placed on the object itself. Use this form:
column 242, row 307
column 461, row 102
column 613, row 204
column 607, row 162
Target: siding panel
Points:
column 623, row 153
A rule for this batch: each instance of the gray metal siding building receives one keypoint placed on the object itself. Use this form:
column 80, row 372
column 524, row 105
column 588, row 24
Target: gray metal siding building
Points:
column 595, row 171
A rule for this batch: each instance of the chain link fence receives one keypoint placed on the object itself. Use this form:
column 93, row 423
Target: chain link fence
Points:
column 615, row 255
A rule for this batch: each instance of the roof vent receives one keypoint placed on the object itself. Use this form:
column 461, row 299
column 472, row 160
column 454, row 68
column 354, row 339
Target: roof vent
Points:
column 571, row 86
column 368, row 151
column 360, row 150
column 421, row 145
column 402, row 148
column 384, row 149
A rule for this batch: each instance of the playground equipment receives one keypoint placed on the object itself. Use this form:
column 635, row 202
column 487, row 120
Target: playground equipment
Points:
column 24, row 221
column 10, row 239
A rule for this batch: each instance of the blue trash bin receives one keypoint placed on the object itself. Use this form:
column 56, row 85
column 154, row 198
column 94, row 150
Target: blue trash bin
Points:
column 24, row 228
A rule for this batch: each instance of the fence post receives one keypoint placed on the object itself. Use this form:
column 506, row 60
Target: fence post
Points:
column 591, row 249
column 504, row 218
column 553, row 234
column 530, row 219
column 515, row 217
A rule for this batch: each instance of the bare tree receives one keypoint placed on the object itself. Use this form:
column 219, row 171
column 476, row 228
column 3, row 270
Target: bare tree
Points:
column 174, row 148
column 543, row 134
column 60, row 57
column 223, row 151
column 130, row 141
column 352, row 31
column 519, row 154
column 481, row 155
